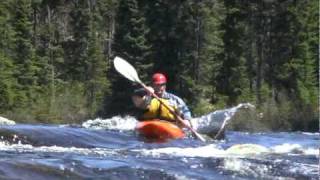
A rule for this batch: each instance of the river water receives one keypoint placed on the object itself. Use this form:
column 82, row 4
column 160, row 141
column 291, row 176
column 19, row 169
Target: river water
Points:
column 111, row 149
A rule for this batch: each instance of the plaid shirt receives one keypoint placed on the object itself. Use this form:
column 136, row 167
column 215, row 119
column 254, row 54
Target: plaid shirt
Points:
column 175, row 101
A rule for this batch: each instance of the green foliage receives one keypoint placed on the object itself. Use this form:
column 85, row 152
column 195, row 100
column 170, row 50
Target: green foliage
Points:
column 69, row 106
column 36, row 37
column 56, row 58
column 23, row 53
column 96, row 84
column 231, row 78
column 203, row 106
column 130, row 43
column 76, row 47
column 307, row 52
column 276, row 115
column 249, row 121
column 6, row 83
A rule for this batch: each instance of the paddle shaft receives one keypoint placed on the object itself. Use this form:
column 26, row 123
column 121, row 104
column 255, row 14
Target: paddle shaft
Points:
column 179, row 118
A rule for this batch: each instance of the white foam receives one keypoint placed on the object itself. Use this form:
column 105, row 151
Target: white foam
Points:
column 211, row 150
column 209, row 123
column 115, row 123
column 246, row 167
column 5, row 121
column 129, row 122
column 237, row 150
column 311, row 151
column 311, row 134
column 288, row 148
column 22, row 148
column 204, row 151
column 302, row 168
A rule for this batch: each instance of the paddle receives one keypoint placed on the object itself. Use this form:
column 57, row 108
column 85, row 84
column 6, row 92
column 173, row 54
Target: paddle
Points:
column 128, row 71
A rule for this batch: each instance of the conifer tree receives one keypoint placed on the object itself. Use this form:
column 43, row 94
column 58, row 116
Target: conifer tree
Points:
column 176, row 47
column 307, row 50
column 162, row 19
column 76, row 47
column 130, row 40
column 231, row 76
column 96, row 82
column 303, row 60
column 23, row 55
column 131, row 44
column 7, row 81
column 211, row 48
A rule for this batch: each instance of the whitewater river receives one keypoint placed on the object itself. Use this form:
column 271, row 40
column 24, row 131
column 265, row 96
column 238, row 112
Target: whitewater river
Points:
column 110, row 149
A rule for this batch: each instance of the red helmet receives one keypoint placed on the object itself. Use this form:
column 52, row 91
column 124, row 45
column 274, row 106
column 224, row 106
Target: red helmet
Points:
column 159, row 78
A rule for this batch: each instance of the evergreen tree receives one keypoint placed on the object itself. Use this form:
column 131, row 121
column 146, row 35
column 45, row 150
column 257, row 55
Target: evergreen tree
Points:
column 49, row 49
column 231, row 76
column 289, row 58
column 130, row 39
column 307, row 50
column 257, row 44
column 163, row 21
column 304, row 59
column 23, row 55
column 107, row 11
column 56, row 56
column 7, row 82
column 212, row 17
column 131, row 44
column 189, row 37
column 96, row 81
column 76, row 47
column 176, row 32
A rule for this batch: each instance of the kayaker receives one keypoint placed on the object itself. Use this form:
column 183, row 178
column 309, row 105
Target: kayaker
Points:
column 151, row 108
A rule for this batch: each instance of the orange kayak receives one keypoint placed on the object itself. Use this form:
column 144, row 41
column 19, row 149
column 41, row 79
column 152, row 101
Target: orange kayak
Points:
column 159, row 131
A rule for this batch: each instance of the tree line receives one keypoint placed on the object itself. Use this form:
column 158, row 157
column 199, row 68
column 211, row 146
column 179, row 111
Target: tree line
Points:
column 56, row 57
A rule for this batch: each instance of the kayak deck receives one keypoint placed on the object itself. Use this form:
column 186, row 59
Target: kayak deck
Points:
column 159, row 130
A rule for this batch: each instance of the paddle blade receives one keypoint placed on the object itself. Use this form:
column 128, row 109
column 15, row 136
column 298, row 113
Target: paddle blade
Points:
column 126, row 69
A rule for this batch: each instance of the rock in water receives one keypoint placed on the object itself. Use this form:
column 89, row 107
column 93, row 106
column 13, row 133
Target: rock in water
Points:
column 242, row 149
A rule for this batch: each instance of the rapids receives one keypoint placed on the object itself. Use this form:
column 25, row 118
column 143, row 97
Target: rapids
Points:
column 111, row 149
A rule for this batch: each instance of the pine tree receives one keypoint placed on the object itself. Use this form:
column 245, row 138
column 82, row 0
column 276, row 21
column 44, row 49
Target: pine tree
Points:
column 131, row 44
column 7, row 81
column 257, row 45
column 304, row 59
column 213, row 15
column 23, row 55
column 96, row 82
column 287, row 60
column 175, row 45
column 231, row 76
column 307, row 49
column 187, row 39
column 130, row 39
column 76, row 47
column 49, row 49
column 163, row 21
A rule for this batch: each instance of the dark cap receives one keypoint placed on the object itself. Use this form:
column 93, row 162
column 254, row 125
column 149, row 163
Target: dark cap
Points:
column 140, row 92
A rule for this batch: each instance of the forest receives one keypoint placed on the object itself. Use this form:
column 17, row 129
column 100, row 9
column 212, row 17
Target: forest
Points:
column 56, row 58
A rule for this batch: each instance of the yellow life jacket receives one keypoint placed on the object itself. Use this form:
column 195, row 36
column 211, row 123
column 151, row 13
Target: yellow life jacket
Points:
column 158, row 111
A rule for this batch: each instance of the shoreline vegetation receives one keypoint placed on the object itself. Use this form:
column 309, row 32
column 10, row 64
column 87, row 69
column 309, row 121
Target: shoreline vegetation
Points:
column 56, row 58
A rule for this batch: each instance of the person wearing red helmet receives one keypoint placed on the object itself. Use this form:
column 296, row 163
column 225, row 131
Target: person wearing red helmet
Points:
column 159, row 84
column 152, row 108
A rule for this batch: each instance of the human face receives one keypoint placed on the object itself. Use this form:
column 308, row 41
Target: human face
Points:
column 159, row 89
